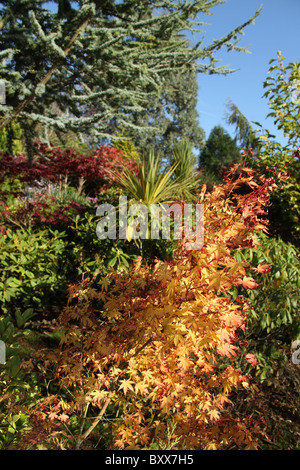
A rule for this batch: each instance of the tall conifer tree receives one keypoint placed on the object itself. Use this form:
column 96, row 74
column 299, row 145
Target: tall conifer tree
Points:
column 170, row 117
column 97, row 53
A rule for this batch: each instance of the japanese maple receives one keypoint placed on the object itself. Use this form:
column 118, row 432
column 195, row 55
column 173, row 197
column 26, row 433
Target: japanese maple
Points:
column 34, row 204
column 55, row 165
column 160, row 344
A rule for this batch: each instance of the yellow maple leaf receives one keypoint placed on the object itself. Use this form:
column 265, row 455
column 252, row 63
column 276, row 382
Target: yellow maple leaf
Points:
column 166, row 404
column 214, row 414
column 98, row 396
column 141, row 387
column 126, row 385
column 215, row 282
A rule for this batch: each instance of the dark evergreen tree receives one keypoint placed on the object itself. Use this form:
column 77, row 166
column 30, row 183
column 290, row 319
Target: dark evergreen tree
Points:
column 97, row 53
column 219, row 153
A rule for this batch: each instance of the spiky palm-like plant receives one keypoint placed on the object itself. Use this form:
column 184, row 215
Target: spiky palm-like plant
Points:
column 184, row 170
column 149, row 185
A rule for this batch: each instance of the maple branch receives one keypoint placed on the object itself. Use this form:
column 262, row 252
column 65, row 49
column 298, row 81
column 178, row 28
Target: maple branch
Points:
column 15, row 222
column 92, row 427
column 83, row 420
column 142, row 347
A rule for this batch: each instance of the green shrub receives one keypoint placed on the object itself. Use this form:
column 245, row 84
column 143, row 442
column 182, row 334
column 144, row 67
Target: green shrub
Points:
column 282, row 92
column 31, row 270
column 273, row 323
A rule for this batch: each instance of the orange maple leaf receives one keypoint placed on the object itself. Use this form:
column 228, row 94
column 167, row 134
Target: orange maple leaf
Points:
column 247, row 211
column 215, row 282
column 63, row 418
column 263, row 268
column 119, row 443
column 248, row 282
column 214, row 414
column 166, row 404
column 227, row 349
column 251, row 359
column 185, row 363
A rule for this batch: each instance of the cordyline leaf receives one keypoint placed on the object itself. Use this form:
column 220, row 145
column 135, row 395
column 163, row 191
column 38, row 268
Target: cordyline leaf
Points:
column 149, row 186
column 184, row 170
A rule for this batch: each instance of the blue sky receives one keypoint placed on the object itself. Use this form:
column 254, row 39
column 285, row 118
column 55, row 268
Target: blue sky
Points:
column 276, row 28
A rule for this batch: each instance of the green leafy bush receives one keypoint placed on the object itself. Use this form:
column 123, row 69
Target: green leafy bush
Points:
column 273, row 323
column 31, row 269
column 283, row 92
column 20, row 389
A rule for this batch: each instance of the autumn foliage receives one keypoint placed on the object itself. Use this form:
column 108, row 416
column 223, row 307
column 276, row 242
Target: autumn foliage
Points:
column 54, row 164
column 160, row 347
column 53, row 169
